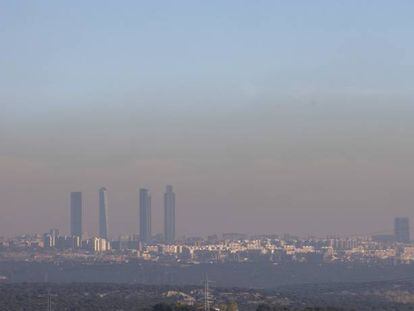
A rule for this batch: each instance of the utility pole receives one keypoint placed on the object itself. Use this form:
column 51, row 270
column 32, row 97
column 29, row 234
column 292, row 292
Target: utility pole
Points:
column 49, row 301
column 48, row 297
column 206, row 295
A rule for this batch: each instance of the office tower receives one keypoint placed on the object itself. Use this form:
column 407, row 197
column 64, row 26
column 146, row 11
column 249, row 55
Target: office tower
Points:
column 402, row 229
column 169, row 215
column 103, row 213
column 76, row 214
column 144, row 215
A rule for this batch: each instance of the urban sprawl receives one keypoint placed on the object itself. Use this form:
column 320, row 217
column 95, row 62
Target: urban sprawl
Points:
column 229, row 247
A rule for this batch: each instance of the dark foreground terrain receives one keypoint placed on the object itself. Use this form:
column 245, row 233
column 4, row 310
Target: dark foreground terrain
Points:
column 398, row 295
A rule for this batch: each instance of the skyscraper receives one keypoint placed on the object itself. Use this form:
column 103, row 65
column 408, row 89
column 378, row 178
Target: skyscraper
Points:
column 402, row 229
column 169, row 215
column 76, row 214
column 103, row 213
column 144, row 215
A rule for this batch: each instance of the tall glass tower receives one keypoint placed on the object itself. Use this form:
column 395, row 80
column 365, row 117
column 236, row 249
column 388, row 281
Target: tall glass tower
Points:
column 144, row 215
column 76, row 214
column 402, row 229
column 169, row 215
column 103, row 213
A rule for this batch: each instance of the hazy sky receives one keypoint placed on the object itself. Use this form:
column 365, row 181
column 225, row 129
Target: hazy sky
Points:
column 266, row 116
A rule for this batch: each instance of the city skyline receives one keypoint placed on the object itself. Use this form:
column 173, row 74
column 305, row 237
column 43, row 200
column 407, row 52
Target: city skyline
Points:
column 400, row 229
column 145, row 220
column 278, row 116
column 399, row 233
column 165, row 214
column 265, row 147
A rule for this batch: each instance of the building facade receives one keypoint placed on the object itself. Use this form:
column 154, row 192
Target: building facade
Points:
column 76, row 214
column 169, row 215
column 402, row 229
column 144, row 215
column 103, row 213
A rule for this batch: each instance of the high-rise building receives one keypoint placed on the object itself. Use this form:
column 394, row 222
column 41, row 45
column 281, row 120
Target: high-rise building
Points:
column 402, row 229
column 169, row 215
column 76, row 214
column 103, row 213
column 144, row 215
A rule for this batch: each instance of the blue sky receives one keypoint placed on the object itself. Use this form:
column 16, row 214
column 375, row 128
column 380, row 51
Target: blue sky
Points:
column 282, row 97
column 63, row 54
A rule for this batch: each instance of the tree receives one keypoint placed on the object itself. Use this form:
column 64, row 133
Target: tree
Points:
column 162, row 307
